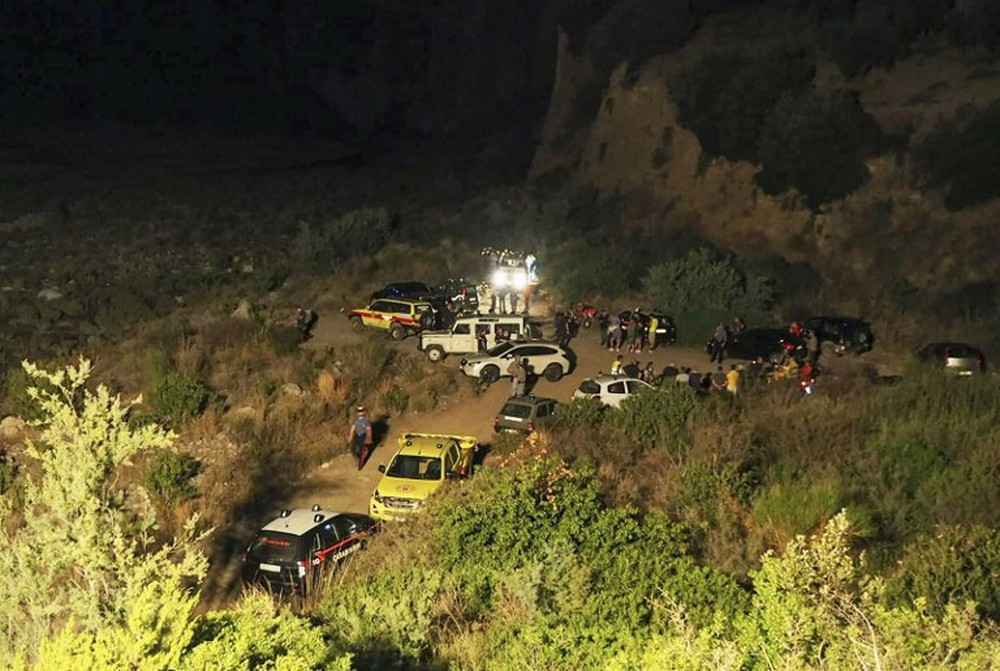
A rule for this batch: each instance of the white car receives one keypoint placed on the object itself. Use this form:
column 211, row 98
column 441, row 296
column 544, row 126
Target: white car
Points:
column 610, row 389
column 545, row 358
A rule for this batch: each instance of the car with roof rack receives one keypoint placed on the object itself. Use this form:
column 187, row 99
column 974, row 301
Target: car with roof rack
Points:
column 468, row 332
column 420, row 467
column 291, row 552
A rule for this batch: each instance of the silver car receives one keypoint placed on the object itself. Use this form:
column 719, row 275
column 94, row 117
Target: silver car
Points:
column 955, row 357
column 544, row 358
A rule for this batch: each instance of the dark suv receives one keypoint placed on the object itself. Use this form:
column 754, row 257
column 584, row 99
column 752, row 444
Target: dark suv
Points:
column 291, row 551
column 847, row 334
column 412, row 290
column 524, row 413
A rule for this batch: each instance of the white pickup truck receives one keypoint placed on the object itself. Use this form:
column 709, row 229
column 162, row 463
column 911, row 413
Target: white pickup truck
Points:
column 472, row 334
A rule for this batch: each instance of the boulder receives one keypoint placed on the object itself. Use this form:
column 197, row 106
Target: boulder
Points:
column 49, row 294
column 12, row 428
column 243, row 311
column 292, row 389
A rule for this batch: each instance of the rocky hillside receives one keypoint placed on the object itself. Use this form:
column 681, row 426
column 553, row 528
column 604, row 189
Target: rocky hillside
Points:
column 894, row 226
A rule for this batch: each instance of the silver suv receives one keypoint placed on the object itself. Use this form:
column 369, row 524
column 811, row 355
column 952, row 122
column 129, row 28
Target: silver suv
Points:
column 469, row 335
column 545, row 358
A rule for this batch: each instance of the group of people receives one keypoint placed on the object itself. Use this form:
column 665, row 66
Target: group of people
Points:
column 721, row 337
column 633, row 332
column 566, row 325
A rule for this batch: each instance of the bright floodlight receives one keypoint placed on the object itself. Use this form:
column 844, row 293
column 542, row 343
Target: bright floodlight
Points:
column 520, row 280
column 499, row 279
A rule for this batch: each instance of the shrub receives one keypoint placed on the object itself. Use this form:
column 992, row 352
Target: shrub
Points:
column 16, row 400
column 284, row 339
column 704, row 288
column 657, row 417
column 726, row 97
column 321, row 248
column 169, row 475
column 176, row 397
column 816, row 144
column 788, row 509
column 951, row 565
column 964, row 159
column 580, row 413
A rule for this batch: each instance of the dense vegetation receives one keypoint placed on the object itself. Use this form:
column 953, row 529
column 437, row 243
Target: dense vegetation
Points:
column 556, row 555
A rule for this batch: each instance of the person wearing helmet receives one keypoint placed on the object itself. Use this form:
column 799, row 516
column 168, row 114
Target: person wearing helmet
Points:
column 361, row 436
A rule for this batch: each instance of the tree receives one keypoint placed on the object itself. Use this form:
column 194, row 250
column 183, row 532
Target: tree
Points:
column 816, row 144
column 84, row 551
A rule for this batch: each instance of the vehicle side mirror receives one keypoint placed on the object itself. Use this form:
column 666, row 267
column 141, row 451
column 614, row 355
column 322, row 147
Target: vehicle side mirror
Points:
column 381, row 468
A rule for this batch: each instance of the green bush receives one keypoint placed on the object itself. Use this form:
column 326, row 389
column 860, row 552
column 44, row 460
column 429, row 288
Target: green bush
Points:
column 726, row 97
column 15, row 395
column 169, row 476
column 816, row 144
column 176, row 397
column 797, row 506
column 580, row 413
column 964, row 159
column 704, row 288
column 284, row 339
column 657, row 417
column 951, row 565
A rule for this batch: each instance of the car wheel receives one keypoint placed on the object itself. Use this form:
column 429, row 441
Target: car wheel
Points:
column 489, row 374
column 357, row 324
column 435, row 353
column 397, row 332
column 553, row 372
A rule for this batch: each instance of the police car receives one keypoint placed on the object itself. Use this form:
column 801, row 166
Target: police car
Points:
column 293, row 549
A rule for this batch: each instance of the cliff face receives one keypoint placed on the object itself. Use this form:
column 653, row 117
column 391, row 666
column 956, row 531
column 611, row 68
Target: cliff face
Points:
column 889, row 229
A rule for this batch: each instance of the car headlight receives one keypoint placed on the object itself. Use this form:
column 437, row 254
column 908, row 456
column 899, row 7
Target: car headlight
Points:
column 499, row 279
column 519, row 281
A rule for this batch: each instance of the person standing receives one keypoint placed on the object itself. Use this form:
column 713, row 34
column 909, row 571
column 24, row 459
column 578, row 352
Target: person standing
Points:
column 518, row 378
column 654, row 324
column 603, row 324
column 361, row 436
column 720, row 338
column 633, row 331
column 559, row 322
column 733, row 380
column 812, row 346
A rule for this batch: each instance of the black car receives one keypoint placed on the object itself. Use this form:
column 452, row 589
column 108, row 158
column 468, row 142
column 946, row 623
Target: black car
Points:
column 847, row 334
column 459, row 293
column 769, row 343
column 666, row 331
column 412, row 290
column 290, row 553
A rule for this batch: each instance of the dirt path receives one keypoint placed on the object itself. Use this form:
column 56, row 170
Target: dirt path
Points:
column 338, row 485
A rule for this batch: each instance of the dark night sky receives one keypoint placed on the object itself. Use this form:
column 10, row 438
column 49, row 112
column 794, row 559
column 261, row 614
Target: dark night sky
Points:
column 434, row 66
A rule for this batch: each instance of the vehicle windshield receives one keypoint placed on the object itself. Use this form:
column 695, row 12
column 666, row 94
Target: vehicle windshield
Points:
column 500, row 349
column 518, row 410
column 415, row 468
column 273, row 547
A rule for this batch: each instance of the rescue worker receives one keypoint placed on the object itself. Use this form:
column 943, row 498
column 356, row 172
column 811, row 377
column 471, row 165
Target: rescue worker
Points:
column 616, row 365
column 654, row 323
column 360, row 434
column 720, row 338
column 733, row 380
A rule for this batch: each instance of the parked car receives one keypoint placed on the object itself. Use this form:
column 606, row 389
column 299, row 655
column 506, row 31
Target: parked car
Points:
column 465, row 334
column 545, row 358
column 409, row 290
column 459, row 293
column 666, row 331
column 400, row 317
column 846, row 334
column 524, row 413
column 294, row 548
column 610, row 389
column 956, row 357
column 769, row 343
column 421, row 465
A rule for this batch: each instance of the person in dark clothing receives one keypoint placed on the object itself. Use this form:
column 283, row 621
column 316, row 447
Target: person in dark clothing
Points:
column 718, row 380
column 632, row 369
column 305, row 319
column 669, row 371
column 603, row 322
column 717, row 345
column 694, row 380
column 559, row 322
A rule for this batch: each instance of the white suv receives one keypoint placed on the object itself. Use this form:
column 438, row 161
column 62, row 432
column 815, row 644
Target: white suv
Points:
column 465, row 334
column 545, row 358
column 610, row 389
